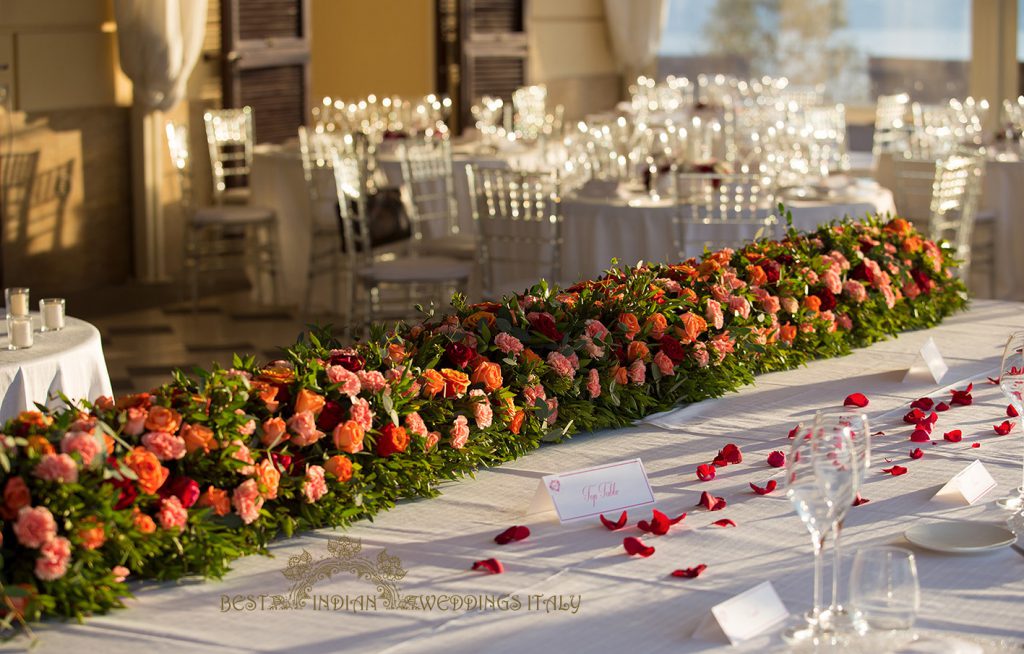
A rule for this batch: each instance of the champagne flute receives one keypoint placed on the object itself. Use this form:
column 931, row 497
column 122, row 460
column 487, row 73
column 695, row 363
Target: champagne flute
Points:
column 853, row 424
column 1011, row 383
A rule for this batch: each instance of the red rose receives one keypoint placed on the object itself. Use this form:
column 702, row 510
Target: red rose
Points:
column 828, row 299
column 185, row 489
column 128, row 493
column 924, row 282
column 282, row 460
column 330, row 416
column 673, row 349
column 771, row 270
column 545, row 324
column 459, row 354
column 348, row 360
column 392, row 440
column 860, row 272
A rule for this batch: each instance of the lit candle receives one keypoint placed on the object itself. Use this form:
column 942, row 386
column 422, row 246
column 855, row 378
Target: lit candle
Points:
column 17, row 301
column 52, row 311
column 19, row 332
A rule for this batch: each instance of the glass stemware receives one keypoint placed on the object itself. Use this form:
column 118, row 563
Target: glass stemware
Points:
column 1011, row 383
column 884, row 594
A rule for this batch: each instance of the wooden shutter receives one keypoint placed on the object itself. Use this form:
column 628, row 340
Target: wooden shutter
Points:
column 265, row 54
column 494, row 51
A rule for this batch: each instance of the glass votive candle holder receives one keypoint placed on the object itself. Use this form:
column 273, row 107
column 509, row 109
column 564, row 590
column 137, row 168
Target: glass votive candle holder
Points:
column 19, row 332
column 51, row 310
column 16, row 301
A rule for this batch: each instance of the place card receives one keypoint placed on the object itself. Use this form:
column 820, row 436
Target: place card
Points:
column 928, row 365
column 745, row 616
column 969, row 485
column 589, row 492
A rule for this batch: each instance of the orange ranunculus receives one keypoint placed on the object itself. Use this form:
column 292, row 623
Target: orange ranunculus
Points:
column 488, row 374
column 812, row 302
column 307, row 400
column 472, row 320
column 756, row 276
column 456, row 383
column 340, row 467
column 657, row 325
column 517, row 422
column 898, row 226
column 40, row 444
column 151, row 475
column 198, row 437
column 348, row 437
column 690, row 327
column 161, row 418
column 787, row 333
column 620, row 374
column 90, row 533
column 432, row 383
column 143, row 522
column 638, row 350
column 268, row 477
column 530, row 355
column 218, row 499
column 630, row 324
column 396, row 353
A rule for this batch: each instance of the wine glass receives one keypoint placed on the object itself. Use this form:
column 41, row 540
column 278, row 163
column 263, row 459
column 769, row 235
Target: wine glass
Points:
column 884, row 593
column 854, row 425
column 819, row 477
column 1011, row 383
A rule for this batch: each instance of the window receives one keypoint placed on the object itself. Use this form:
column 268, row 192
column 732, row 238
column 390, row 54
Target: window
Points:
column 855, row 49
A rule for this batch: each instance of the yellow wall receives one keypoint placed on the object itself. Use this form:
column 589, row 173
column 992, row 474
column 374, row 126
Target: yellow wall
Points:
column 384, row 47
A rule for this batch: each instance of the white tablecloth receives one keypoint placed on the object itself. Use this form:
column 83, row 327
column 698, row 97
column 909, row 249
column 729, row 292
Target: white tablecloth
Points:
column 631, row 604
column 68, row 361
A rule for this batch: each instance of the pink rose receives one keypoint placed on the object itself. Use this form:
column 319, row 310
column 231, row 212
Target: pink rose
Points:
column 637, row 372
column 166, row 447
column 249, row 427
column 790, row 304
column 714, row 314
column 561, row 365
column 911, row 289
column 247, row 501
column 595, row 329
column 720, row 293
column 844, row 321
column 552, row 410
column 362, row 413
column 594, row 383
column 57, row 467
column 53, row 559
column 730, row 279
column 84, row 443
column 771, row 304
column 120, row 573
column 508, row 343
column 315, row 486
column 459, row 433
column 483, row 415
column 172, row 515
column 740, row 305
column 700, row 355
column 35, row 526
column 136, row 420
column 533, row 393
column 372, row 380
column 811, row 276
column 349, row 382
column 275, row 430
column 432, row 439
column 840, row 258
column 664, row 364
column 303, row 428
column 414, row 423
column 890, row 297
column 832, row 282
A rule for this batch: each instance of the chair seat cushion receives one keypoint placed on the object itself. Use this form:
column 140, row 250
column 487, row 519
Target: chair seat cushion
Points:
column 460, row 246
column 229, row 214
column 417, row 269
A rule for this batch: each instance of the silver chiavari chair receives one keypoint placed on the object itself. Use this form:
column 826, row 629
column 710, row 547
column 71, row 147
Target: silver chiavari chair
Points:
column 728, row 209
column 229, row 136
column 892, row 133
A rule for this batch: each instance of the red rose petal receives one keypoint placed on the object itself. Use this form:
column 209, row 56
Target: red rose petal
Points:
column 963, row 398
column 764, row 490
column 923, row 403
column 636, row 547
column 992, row 380
column 777, row 459
column 895, row 471
column 793, row 431
column 942, row 406
column 975, row 444
column 492, row 566
column 925, row 425
column 933, row 418
column 690, row 573
column 920, row 436
column 705, row 472
column 1003, row 428
column 914, row 416
column 710, row 502
column 724, row 522
column 857, row 501
column 659, row 523
column 954, row 436
column 858, row 400
column 916, row 453
column 615, row 526
column 1011, row 411
column 728, row 454
column 518, row 532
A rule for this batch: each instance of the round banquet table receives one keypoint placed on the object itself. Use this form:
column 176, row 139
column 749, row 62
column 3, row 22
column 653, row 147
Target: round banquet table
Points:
column 640, row 229
column 69, row 361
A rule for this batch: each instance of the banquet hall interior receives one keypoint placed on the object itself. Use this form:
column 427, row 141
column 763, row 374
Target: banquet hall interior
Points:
column 190, row 183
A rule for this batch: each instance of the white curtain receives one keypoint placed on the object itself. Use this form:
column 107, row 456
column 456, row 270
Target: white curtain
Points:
column 635, row 27
column 159, row 42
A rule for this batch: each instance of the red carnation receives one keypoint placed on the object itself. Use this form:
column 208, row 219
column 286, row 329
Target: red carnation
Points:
column 330, row 416
column 392, row 440
column 673, row 349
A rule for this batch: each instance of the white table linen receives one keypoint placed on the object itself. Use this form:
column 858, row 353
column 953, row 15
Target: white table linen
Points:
column 69, row 361
column 633, row 604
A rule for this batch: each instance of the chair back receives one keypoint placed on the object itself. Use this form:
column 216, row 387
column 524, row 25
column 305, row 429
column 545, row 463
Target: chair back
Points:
column 954, row 204
column 530, row 104
column 428, row 184
column 229, row 135
column 891, row 130
column 520, row 219
column 732, row 208
column 316, row 148
column 349, row 168
column 17, row 179
column 177, row 145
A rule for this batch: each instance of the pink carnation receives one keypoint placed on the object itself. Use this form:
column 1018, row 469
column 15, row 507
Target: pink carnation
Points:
column 637, row 372
column 664, row 364
column 532, row 393
column 740, row 305
column 166, row 447
column 35, row 526
column 844, row 321
column 244, row 455
column 720, row 293
column 314, row 487
column 730, row 279
column 172, row 515
column 890, row 297
column 594, row 383
column 248, row 428
column 594, row 351
column 414, row 423
column 700, row 355
column 595, row 329
column 247, row 501
column 714, row 314
column 840, row 258
column 372, row 380
column 362, row 413
column 136, row 420
column 831, row 281
column 349, row 383
column 83, row 442
column 53, row 559
column 508, row 343
column 561, row 365
column 303, row 428
column 553, row 410
column 483, row 414
column 459, row 433
column 57, row 467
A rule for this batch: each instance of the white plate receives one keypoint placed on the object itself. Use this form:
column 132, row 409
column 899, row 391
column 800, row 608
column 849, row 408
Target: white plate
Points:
column 961, row 537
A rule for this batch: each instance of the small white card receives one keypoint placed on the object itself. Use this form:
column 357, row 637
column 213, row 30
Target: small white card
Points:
column 928, row 365
column 970, row 484
column 590, row 492
column 745, row 616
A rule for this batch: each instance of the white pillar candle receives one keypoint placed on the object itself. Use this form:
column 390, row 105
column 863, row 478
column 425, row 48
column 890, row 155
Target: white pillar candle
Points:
column 17, row 301
column 20, row 332
column 52, row 312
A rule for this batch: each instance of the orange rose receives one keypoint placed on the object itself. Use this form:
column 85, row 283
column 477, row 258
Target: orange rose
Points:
column 456, row 383
column 688, row 294
column 787, row 333
column 348, row 437
column 161, row 418
column 91, row 535
column 530, row 355
column 340, row 467
column 143, row 522
column 216, row 498
column 432, row 382
column 16, row 495
column 656, row 324
column 630, row 324
column 40, row 444
column 912, row 244
column 275, row 431
column 471, row 321
column 756, row 276
column 267, row 477
column 396, row 353
column 721, row 257
column 638, row 350
column 620, row 374
column 488, row 374
column 706, row 269
column 898, row 226
column 198, row 437
column 143, row 400
column 691, row 326
column 34, row 419
column 151, row 475
column 109, row 443
column 267, row 393
column 812, row 302
column 307, row 400
column 517, row 422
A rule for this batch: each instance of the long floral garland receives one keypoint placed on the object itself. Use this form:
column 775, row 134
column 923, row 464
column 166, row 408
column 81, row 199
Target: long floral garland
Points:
column 185, row 479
